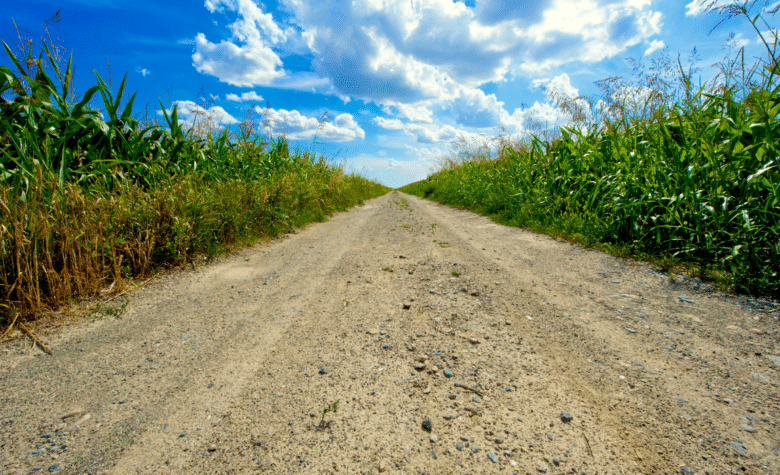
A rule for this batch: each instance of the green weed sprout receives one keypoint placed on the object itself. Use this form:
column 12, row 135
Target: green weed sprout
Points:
column 329, row 408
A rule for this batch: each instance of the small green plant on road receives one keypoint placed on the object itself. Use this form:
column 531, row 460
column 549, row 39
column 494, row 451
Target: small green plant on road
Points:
column 329, row 408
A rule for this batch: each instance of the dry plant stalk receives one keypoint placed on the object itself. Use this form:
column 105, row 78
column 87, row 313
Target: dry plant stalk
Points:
column 29, row 333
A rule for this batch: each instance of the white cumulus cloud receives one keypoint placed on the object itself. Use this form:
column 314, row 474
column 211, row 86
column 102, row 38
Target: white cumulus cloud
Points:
column 190, row 114
column 423, row 133
column 654, row 46
column 414, row 57
column 250, row 65
column 417, row 112
column 296, row 126
column 245, row 96
column 558, row 86
column 698, row 7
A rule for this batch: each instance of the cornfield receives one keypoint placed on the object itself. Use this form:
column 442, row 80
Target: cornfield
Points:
column 87, row 203
column 696, row 181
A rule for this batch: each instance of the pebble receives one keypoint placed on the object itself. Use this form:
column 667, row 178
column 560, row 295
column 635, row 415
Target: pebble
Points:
column 434, row 438
column 556, row 462
column 759, row 377
column 739, row 449
column 476, row 398
column 322, row 371
column 419, row 366
column 473, row 341
column 542, row 469
column 452, row 396
column 474, row 449
column 447, row 372
column 449, row 417
column 492, row 457
column 258, row 443
column 630, row 330
column 212, row 448
column 549, row 436
column 566, row 417
column 683, row 298
column 747, row 428
column 459, row 446
column 435, row 455
column 410, row 347
column 499, row 440
column 73, row 413
column 686, row 471
column 426, row 424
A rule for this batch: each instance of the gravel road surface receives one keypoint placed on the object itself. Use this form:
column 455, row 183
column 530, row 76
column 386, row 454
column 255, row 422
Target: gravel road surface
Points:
column 452, row 345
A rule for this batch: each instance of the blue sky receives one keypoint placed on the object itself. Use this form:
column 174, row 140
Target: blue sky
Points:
column 397, row 80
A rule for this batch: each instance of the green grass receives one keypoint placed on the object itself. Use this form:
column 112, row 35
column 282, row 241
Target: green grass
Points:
column 689, row 176
column 87, row 201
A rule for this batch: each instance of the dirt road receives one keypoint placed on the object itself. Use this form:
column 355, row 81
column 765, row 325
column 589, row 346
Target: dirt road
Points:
column 519, row 353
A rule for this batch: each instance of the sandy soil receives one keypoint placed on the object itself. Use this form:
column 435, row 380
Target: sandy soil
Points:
column 520, row 353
